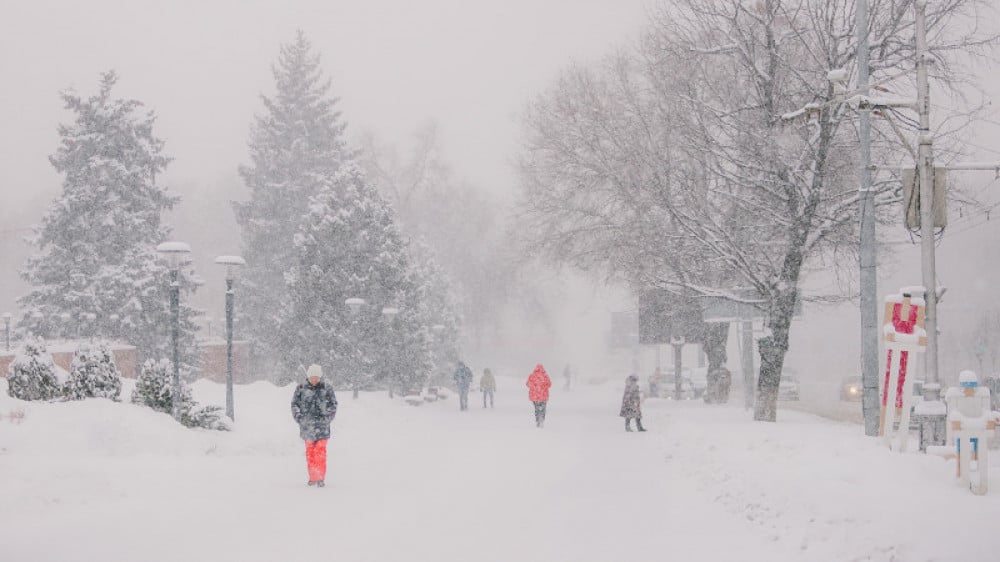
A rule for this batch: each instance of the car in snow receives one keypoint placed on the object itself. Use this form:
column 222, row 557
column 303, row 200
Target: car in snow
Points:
column 788, row 387
column 851, row 389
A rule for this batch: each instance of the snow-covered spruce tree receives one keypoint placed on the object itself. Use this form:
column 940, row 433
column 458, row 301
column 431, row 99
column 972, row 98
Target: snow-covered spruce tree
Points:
column 97, row 242
column 153, row 386
column 349, row 247
column 295, row 147
column 154, row 389
column 32, row 374
column 93, row 374
column 440, row 313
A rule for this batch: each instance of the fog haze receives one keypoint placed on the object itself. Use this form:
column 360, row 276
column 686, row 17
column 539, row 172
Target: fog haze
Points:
column 395, row 65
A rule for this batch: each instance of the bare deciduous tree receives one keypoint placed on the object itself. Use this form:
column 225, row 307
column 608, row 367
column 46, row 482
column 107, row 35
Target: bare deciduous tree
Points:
column 682, row 154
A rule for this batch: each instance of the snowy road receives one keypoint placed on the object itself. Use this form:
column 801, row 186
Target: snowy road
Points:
column 432, row 483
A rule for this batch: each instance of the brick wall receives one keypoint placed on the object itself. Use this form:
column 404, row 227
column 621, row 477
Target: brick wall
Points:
column 213, row 359
column 62, row 355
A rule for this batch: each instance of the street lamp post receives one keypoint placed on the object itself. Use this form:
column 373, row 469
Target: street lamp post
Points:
column 678, row 344
column 6, row 323
column 114, row 318
column 65, row 318
column 232, row 263
column 92, row 324
column 39, row 318
column 354, row 304
column 176, row 254
column 437, row 329
column 388, row 313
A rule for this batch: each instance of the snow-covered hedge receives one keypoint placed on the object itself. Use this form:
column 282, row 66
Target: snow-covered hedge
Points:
column 93, row 374
column 153, row 389
column 32, row 374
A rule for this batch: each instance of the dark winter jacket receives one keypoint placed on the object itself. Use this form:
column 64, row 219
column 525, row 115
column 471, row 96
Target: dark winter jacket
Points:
column 463, row 377
column 631, row 399
column 313, row 408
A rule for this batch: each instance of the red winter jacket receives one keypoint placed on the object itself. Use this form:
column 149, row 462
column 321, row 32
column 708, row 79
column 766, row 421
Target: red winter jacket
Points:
column 538, row 385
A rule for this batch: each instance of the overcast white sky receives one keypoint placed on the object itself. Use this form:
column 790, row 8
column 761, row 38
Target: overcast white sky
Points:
column 470, row 65
column 200, row 65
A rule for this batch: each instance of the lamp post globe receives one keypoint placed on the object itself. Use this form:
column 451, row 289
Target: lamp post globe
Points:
column 176, row 254
column 232, row 265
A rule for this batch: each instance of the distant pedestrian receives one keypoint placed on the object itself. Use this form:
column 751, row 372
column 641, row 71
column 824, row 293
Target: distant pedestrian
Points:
column 488, row 386
column 632, row 403
column 538, row 392
column 463, row 380
column 314, row 405
column 568, row 375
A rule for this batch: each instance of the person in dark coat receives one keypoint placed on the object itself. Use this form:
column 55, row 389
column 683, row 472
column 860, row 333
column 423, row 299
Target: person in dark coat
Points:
column 314, row 406
column 463, row 380
column 631, row 403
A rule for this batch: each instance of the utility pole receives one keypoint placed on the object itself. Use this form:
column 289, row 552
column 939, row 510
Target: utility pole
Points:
column 868, row 274
column 925, row 170
column 746, row 333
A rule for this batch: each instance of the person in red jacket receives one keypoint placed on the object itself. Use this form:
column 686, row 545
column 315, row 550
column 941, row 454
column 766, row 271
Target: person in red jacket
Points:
column 538, row 392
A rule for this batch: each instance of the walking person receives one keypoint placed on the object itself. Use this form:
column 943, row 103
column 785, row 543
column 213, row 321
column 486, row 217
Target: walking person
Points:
column 314, row 406
column 538, row 392
column 463, row 380
column 632, row 403
column 568, row 375
column 488, row 386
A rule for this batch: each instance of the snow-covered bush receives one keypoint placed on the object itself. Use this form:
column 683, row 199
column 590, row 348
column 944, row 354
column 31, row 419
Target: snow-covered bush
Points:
column 154, row 389
column 32, row 374
column 93, row 374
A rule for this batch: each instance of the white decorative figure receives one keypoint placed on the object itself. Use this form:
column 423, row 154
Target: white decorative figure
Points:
column 904, row 334
column 970, row 425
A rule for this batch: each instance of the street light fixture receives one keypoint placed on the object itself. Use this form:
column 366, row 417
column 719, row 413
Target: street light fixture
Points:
column 176, row 254
column 233, row 264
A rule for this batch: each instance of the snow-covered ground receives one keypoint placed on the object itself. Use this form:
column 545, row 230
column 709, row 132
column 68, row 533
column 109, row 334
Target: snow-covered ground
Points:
column 97, row 480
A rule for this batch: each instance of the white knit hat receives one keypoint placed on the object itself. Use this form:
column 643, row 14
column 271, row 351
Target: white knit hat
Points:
column 314, row 371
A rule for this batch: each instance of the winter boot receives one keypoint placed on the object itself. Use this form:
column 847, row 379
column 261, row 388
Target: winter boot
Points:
column 638, row 424
column 628, row 424
column 320, row 483
column 311, row 483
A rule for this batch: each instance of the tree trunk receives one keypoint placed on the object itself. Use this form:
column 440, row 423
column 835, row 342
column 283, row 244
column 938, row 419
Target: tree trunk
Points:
column 716, row 338
column 772, row 352
column 718, row 378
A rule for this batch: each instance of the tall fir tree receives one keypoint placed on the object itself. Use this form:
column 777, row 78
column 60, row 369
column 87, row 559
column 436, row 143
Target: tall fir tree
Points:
column 97, row 272
column 349, row 247
column 295, row 148
column 441, row 313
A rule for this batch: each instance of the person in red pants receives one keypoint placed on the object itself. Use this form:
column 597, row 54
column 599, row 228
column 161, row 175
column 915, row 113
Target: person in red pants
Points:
column 314, row 406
